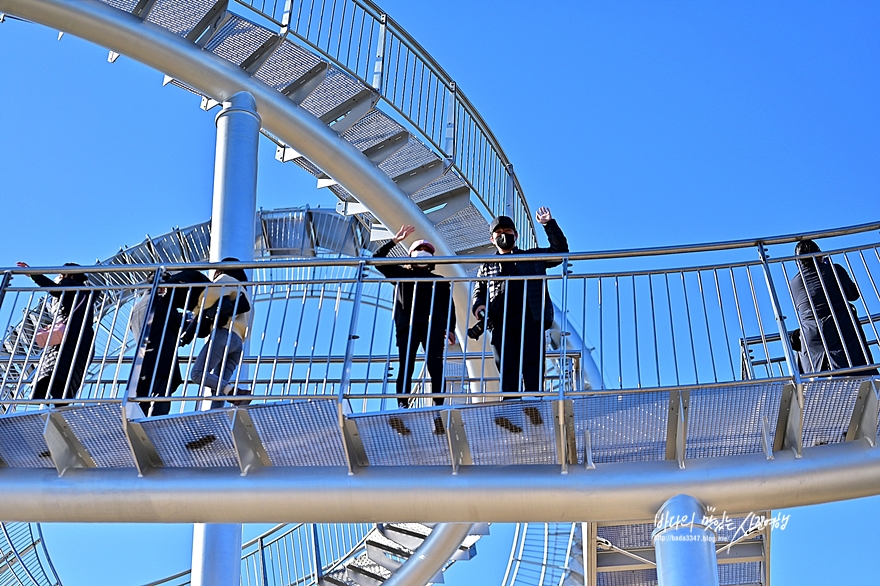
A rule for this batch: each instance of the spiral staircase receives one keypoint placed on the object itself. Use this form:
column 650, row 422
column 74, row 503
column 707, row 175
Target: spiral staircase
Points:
column 640, row 426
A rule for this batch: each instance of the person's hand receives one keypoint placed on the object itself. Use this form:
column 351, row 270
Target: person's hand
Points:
column 404, row 231
column 543, row 215
column 22, row 265
column 480, row 309
column 450, row 338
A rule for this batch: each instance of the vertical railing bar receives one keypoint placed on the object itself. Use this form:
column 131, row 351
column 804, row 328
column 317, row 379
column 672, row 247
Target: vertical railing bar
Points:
column 315, row 337
column 280, row 339
column 690, row 325
column 562, row 334
column 654, row 333
column 742, row 329
column 708, row 330
column 853, row 319
column 345, row 382
column 619, row 340
column 332, row 337
column 672, row 329
column 876, row 294
column 758, row 315
column 601, row 329
column 724, row 323
column 636, row 332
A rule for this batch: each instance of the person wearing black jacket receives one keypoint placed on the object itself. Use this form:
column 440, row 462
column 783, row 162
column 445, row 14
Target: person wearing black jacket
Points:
column 160, row 374
column 512, row 330
column 831, row 335
column 423, row 315
column 63, row 366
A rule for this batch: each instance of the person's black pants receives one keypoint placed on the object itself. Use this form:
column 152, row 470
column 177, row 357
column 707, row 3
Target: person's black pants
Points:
column 408, row 342
column 517, row 337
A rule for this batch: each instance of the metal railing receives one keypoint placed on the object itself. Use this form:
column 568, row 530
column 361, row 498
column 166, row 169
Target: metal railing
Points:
column 292, row 555
column 324, row 328
column 539, row 554
column 359, row 38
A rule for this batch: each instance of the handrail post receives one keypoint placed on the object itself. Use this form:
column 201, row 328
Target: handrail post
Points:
column 563, row 361
column 378, row 68
column 319, row 565
column 793, row 370
column 263, row 573
column 140, row 349
column 345, row 380
column 451, row 123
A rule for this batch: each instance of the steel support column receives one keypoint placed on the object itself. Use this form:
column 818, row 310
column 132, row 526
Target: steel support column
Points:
column 216, row 557
column 684, row 545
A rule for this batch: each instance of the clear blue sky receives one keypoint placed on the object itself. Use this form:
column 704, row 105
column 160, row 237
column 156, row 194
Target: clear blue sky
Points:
column 640, row 124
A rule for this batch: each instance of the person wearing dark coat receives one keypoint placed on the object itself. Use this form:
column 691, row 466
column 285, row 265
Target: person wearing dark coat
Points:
column 423, row 315
column 63, row 366
column 160, row 374
column 831, row 336
column 514, row 331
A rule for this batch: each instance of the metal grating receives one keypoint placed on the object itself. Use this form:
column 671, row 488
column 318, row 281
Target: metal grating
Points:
column 171, row 435
column 727, row 421
column 466, row 230
column 286, row 64
column 386, row 447
column 21, row 441
column 19, row 539
column 746, row 573
column 99, row 429
column 623, row 428
column 335, row 89
column 828, row 407
column 126, row 5
column 444, row 184
column 179, row 16
column 302, row 433
column 491, row 444
column 372, row 129
column 413, row 155
column 627, row 578
column 627, row 536
column 237, row 40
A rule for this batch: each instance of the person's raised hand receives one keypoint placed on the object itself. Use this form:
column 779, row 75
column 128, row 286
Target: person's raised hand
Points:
column 22, row 265
column 404, row 231
column 543, row 215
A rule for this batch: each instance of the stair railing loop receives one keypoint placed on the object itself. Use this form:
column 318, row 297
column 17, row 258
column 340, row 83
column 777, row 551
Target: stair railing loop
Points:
column 790, row 362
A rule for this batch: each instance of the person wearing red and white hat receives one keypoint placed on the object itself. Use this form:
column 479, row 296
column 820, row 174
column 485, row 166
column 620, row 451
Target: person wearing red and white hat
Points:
column 423, row 315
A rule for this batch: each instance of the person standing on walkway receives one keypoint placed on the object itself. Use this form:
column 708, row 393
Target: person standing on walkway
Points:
column 224, row 313
column 517, row 312
column 424, row 315
column 63, row 365
column 831, row 334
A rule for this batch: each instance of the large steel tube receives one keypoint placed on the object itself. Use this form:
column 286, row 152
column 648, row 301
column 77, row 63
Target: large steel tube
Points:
column 611, row 492
column 684, row 545
column 217, row 547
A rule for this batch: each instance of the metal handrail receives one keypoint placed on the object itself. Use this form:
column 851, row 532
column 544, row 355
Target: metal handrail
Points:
column 450, row 107
column 656, row 329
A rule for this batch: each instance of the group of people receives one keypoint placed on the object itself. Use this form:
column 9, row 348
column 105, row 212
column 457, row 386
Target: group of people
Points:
column 516, row 312
column 196, row 307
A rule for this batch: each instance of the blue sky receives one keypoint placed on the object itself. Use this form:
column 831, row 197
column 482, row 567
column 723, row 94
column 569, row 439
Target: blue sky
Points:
column 640, row 124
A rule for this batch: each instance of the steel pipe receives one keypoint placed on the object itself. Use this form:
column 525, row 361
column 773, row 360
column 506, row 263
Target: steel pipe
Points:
column 611, row 492
column 684, row 545
column 431, row 556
